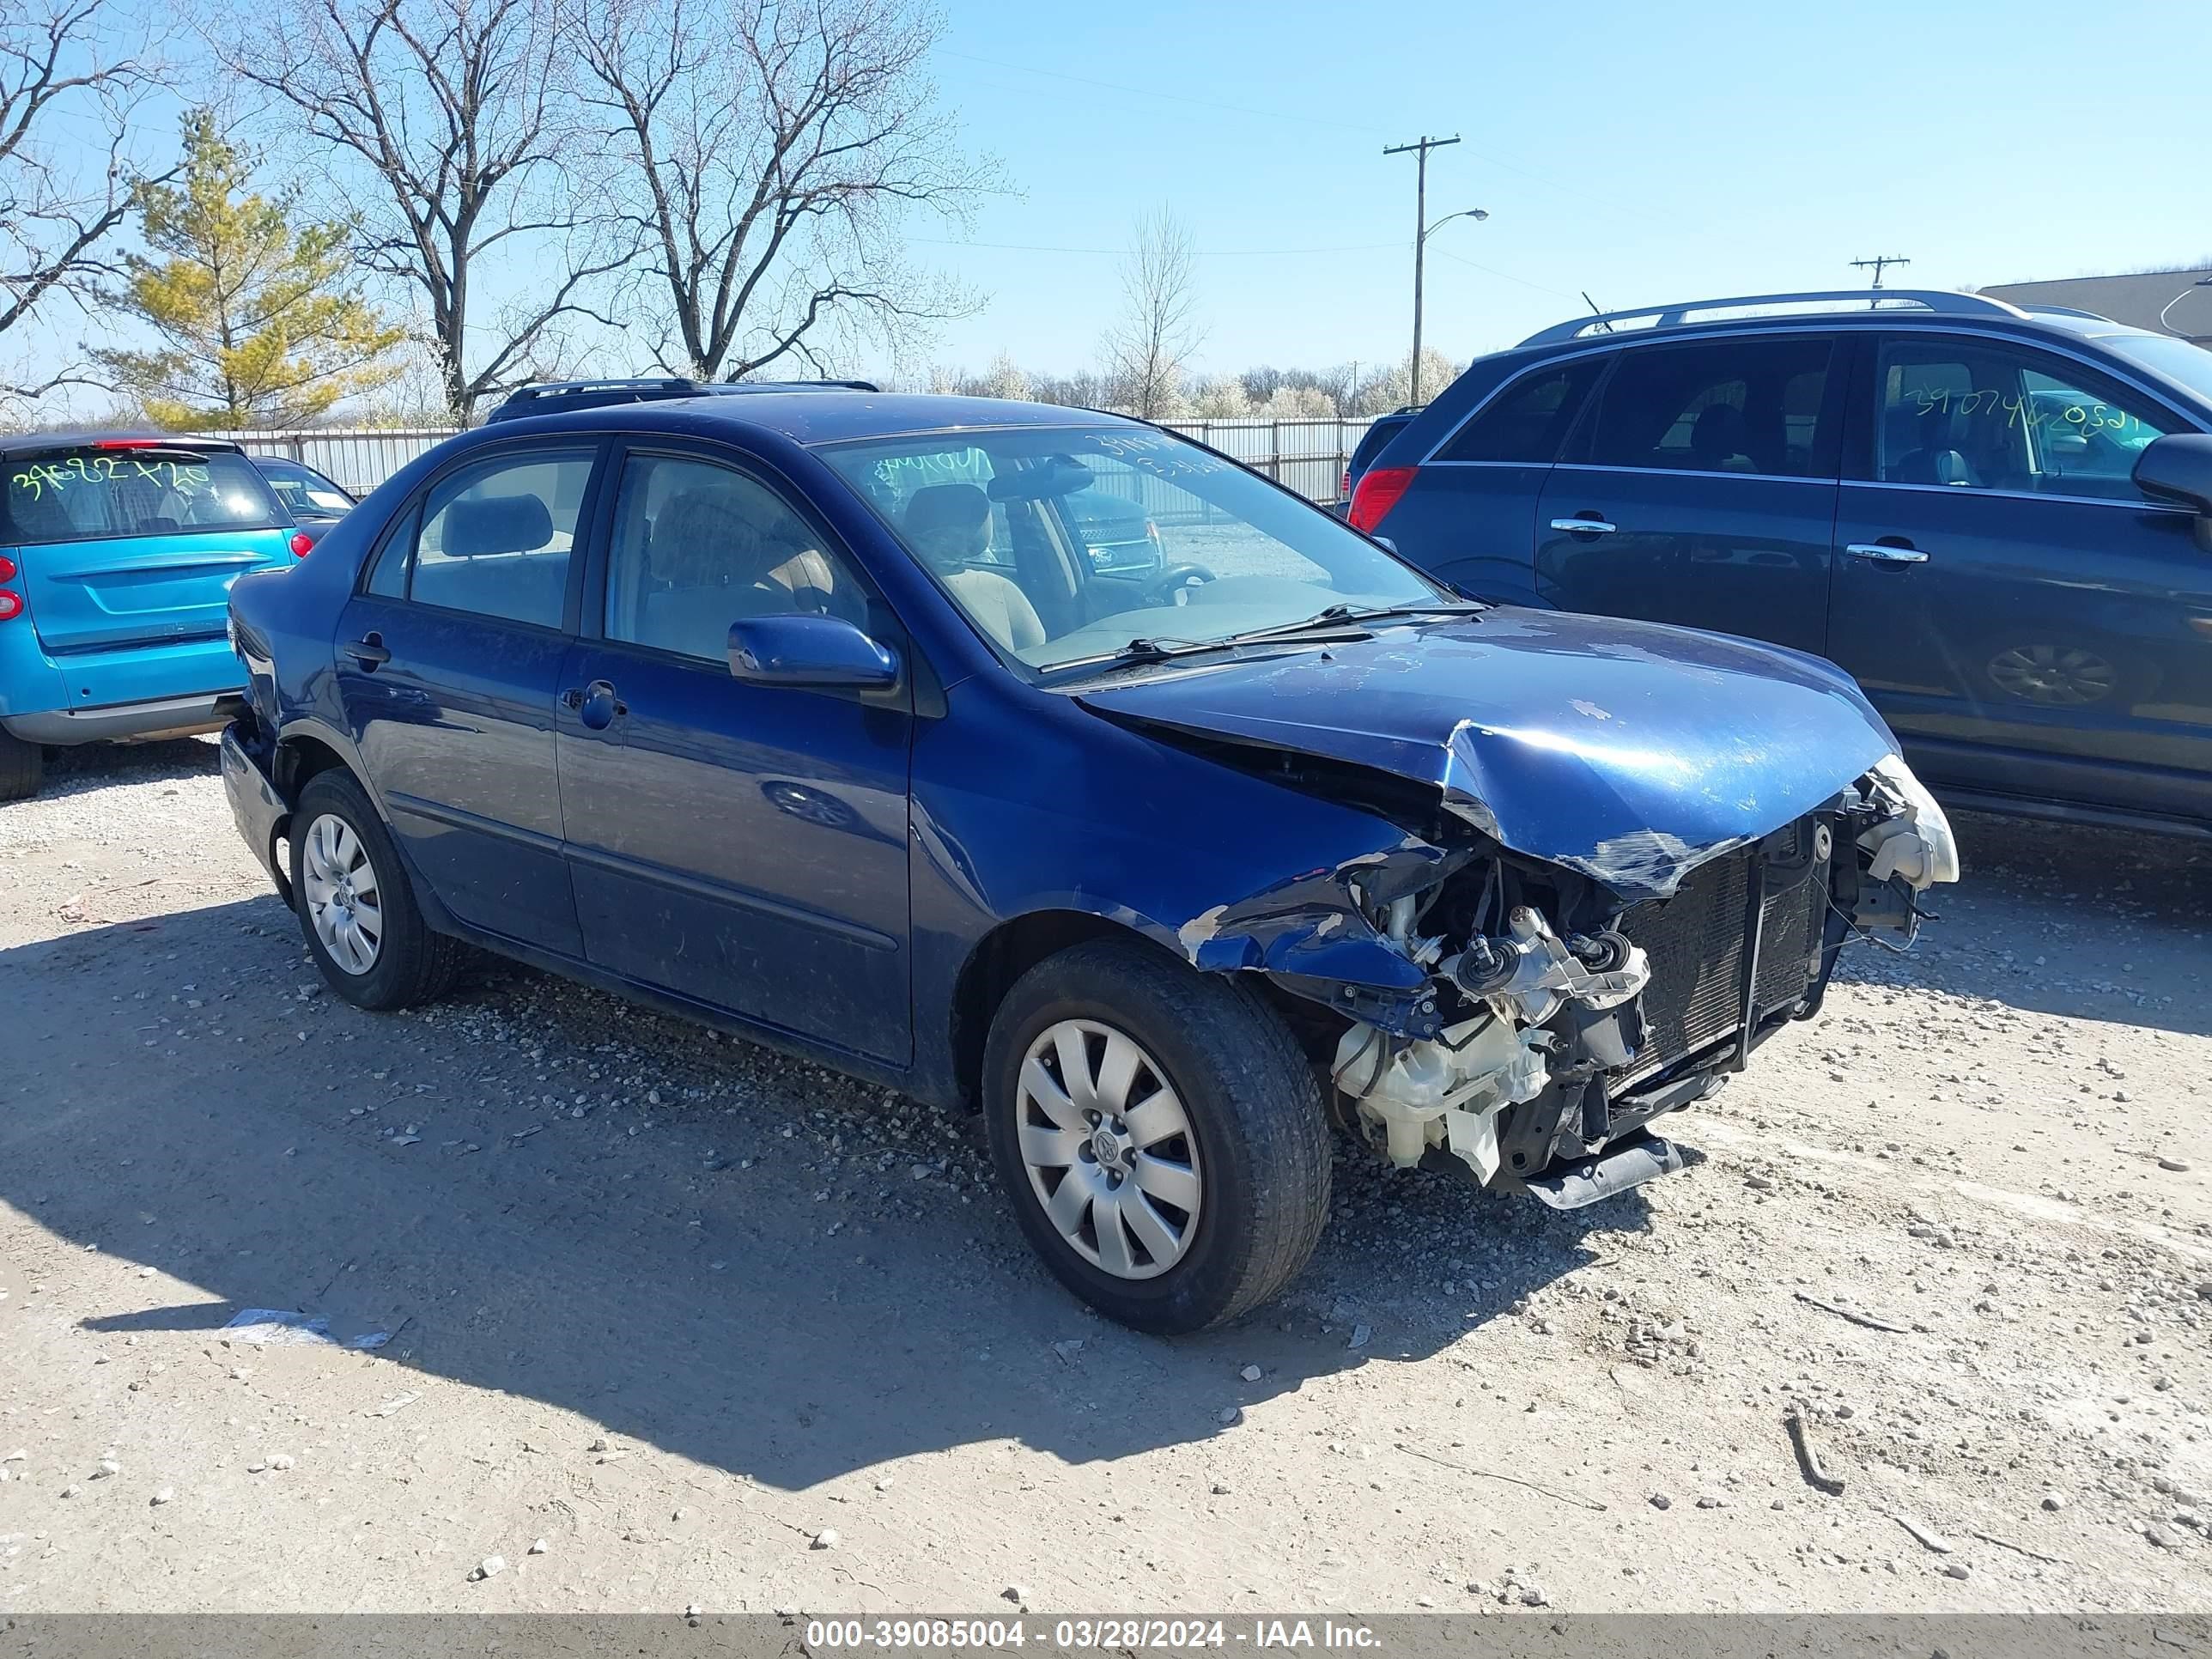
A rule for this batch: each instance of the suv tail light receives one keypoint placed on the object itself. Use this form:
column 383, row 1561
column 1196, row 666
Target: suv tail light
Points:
column 1380, row 487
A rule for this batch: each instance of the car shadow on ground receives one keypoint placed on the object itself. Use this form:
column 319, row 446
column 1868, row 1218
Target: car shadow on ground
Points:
column 684, row 1275
column 2057, row 918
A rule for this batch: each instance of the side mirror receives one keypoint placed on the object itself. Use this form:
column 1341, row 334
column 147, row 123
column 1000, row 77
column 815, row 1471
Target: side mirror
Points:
column 820, row 652
column 2177, row 468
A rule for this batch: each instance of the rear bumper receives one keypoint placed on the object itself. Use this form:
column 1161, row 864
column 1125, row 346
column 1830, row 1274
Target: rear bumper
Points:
column 150, row 691
column 168, row 717
column 256, row 807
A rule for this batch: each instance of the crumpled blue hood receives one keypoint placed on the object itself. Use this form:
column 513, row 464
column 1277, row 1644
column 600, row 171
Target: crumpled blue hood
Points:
column 1629, row 752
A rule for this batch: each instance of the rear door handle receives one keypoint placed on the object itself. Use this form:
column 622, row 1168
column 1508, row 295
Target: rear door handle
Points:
column 368, row 651
column 1885, row 553
column 1584, row 527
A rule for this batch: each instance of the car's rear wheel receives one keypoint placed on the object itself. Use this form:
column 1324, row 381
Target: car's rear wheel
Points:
column 356, row 908
column 22, row 767
column 1160, row 1134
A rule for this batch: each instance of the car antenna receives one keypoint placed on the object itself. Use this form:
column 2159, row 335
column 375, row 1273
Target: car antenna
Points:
column 1595, row 311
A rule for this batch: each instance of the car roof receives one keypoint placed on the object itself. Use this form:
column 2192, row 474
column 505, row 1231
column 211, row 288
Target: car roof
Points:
column 815, row 414
column 18, row 446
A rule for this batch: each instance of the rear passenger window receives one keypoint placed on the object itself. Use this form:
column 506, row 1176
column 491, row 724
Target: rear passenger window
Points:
column 494, row 538
column 1527, row 420
column 1758, row 407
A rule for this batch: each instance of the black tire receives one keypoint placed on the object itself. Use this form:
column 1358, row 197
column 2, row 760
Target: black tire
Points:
column 413, row 964
column 22, row 767
column 1254, row 1107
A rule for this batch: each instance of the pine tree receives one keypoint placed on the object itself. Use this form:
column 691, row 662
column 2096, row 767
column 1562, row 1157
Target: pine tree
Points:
column 260, row 323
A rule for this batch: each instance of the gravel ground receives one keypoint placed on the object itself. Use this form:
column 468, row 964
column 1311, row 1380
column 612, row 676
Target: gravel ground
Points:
column 675, row 1322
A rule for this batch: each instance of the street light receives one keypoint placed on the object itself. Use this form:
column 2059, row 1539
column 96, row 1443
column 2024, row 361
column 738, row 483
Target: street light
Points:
column 1421, row 242
column 2202, row 281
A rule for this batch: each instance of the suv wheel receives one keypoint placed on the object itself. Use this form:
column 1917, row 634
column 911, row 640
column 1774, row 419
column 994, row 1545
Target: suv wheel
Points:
column 356, row 908
column 22, row 767
column 1160, row 1134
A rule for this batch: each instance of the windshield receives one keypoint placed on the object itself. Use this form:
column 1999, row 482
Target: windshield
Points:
column 1031, row 532
column 2179, row 361
column 91, row 494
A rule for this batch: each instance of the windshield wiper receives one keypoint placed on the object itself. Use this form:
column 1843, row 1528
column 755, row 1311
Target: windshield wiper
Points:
column 1345, row 616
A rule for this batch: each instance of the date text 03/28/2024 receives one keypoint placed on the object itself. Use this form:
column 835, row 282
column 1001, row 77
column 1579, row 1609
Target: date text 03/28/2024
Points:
column 1080, row 1634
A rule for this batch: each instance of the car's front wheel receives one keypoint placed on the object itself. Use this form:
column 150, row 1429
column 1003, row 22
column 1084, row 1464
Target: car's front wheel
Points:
column 356, row 908
column 1160, row 1134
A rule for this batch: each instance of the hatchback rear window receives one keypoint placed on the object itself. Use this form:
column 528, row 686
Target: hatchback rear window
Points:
column 92, row 495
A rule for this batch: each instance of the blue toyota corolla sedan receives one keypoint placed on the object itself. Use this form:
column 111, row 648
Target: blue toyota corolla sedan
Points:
column 807, row 713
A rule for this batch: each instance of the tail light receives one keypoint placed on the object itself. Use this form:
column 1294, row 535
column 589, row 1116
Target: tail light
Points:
column 1380, row 487
column 11, row 603
column 302, row 543
column 1344, row 489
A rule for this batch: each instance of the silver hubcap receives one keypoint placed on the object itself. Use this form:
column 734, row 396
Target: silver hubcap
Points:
column 2053, row 674
column 1108, row 1149
column 342, row 902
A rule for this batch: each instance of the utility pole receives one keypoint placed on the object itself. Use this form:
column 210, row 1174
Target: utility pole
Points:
column 1420, row 150
column 1879, row 264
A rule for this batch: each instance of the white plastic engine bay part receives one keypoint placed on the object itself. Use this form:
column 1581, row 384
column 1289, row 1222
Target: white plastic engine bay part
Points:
column 1918, row 843
column 1447, row 1090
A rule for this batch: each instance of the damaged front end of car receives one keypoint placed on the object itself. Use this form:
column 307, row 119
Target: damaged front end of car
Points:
column 1557, row 955
column 1520, row 1022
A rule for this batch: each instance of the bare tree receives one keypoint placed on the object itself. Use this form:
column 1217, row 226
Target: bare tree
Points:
column 1147, row 350
column 71, row 75
column 770, row 150
column 453, row 108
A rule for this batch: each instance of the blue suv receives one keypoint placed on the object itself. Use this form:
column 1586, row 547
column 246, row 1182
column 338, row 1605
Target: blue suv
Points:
column 1996, row 519
column 807, row 713
column 117, row 555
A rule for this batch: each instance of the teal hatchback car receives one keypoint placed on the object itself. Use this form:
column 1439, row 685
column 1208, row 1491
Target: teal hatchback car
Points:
column 117, row 555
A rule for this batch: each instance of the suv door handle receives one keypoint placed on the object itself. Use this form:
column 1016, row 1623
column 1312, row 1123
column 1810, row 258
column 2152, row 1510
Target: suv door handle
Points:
column 368, row 651
column 1887, row 553
column 1584, row 527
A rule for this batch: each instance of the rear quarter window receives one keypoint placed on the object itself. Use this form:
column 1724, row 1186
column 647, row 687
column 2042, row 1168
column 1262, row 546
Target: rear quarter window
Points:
column 91, row 495
column 1531, row 418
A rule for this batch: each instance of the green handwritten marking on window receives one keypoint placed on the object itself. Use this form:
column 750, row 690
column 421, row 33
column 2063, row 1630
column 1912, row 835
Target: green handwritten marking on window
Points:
column 2084, row 416
column 36, row 480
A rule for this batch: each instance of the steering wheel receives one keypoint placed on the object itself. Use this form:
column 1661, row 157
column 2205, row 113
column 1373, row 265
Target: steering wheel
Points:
column 1163, row 588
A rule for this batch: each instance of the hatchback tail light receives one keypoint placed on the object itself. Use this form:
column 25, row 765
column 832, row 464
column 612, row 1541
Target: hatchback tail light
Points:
column 302, row 543
column 11, row 603
column 1380, row 487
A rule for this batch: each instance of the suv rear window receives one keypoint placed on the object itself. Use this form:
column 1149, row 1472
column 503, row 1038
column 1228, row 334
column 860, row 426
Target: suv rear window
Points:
column 93, row 494
column 1527, row 420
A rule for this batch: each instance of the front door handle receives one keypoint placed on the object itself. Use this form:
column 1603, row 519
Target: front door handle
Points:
column 596, row 704
column 1887, row 553
column 368, row 651
column 1590, row 526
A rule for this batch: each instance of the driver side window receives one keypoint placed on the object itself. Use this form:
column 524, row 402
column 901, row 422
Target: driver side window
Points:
column 698, row 546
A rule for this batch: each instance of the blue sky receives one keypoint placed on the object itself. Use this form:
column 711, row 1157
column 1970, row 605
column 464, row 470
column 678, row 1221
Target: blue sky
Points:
column 1644, row 152
column 1641, row 151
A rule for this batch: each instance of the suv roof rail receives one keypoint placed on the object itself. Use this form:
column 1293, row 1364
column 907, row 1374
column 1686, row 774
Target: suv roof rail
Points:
column 2070, row 311
column 1680, row 314
column 548, row 397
